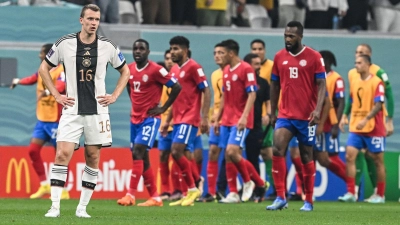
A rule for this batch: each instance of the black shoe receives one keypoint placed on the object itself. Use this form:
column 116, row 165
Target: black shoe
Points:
column 220, row 195
column 295, row 197
column 207, row 198
column 259, row 193
column 165, row 195
column 176, row 195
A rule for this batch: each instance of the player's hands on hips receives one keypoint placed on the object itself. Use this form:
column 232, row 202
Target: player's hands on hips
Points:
column 204, row 125
column 164, row 129
column 389, row 127
column 15, row 82
column 242, row 123
column 314, row 118
column 105, row 100
column 361, row 124
column 65, row 101
column 155, row 111
column 343, row 121
column 274, row 118
column 335, row 131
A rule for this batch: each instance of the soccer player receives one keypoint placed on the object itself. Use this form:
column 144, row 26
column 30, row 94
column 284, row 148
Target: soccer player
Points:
column 365, row 49
column 299, row 72
column 327, row 143
column 236, row 115
column 85, row 56
column 164, row 145
column 146, row 82
column 367, row 127
column 255, row 137
column 189, row 111
column 48, row 113
column 214, row 150
column 257, row 46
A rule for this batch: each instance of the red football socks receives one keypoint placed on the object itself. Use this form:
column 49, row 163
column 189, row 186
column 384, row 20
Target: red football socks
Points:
column 231, row 174
column 308, row 180
column 137, row 171
column 212, row 175
column 37, row 162
column 279, row 175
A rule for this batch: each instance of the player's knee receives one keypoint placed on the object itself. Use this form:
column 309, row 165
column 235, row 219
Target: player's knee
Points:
column 176, row 154
column 276, row 151
column 62, row 156
column 325, row 162
column 164, row 156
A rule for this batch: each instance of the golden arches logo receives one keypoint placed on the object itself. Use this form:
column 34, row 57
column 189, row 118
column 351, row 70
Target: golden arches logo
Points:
column 17, row 167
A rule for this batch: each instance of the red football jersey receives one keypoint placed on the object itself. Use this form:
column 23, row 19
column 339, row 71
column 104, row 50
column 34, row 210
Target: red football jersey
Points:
column 146, row 87
column 238, row 81
column 186, row 108
column 297, row 75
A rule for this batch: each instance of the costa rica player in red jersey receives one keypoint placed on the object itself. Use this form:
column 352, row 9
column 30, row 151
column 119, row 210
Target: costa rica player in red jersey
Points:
column 299, row 73
column 186, row 112
column 236, row 114
column 146, row 83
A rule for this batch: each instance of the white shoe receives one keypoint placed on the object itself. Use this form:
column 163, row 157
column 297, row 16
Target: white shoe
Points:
column 53, row 212
column 81, row 213
column 232, row 197
column 376, row 199
column 247, row 190
column 374, row 195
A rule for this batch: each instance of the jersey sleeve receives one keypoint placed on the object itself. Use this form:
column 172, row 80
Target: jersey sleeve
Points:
column 319, row 67
column 32, row 79
column 379, row 95
column 54, row 57
column 250, row 80
column 165, row 78
column 275, row 70
column 117, row 59
column 200, row 78
column 388, row 91
column 339, row 88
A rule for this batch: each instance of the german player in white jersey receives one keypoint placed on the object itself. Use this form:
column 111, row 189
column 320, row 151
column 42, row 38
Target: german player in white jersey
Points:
column 85, row 56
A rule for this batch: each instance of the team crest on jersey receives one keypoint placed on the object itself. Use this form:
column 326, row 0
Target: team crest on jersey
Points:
column 182, row 74
column 234, row 77
column 226, row 75
column 86, row 62
column 145, row 78
column 303, row 63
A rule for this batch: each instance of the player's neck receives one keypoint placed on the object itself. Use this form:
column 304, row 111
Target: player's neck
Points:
column 183, row 61
column 297, row 50
column 364, row 76
column 140, row 65
column 86, row 38
column 234, row 62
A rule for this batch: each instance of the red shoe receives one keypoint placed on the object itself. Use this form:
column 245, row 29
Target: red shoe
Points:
column 151, row 202
column 127, row 200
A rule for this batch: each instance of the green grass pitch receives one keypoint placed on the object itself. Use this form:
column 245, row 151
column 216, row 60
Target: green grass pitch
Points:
column 26, row 211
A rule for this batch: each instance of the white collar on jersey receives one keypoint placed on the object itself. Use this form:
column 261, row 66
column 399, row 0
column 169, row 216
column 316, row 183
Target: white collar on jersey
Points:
column 304, row 47
column 184, row 63
column 144, row 67
column 234, row 68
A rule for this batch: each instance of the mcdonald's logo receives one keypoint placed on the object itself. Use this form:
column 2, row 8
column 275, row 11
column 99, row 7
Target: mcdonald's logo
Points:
column 17, row 167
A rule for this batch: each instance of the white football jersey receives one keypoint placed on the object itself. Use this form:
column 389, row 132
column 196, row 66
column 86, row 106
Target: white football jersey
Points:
column 85, row 67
